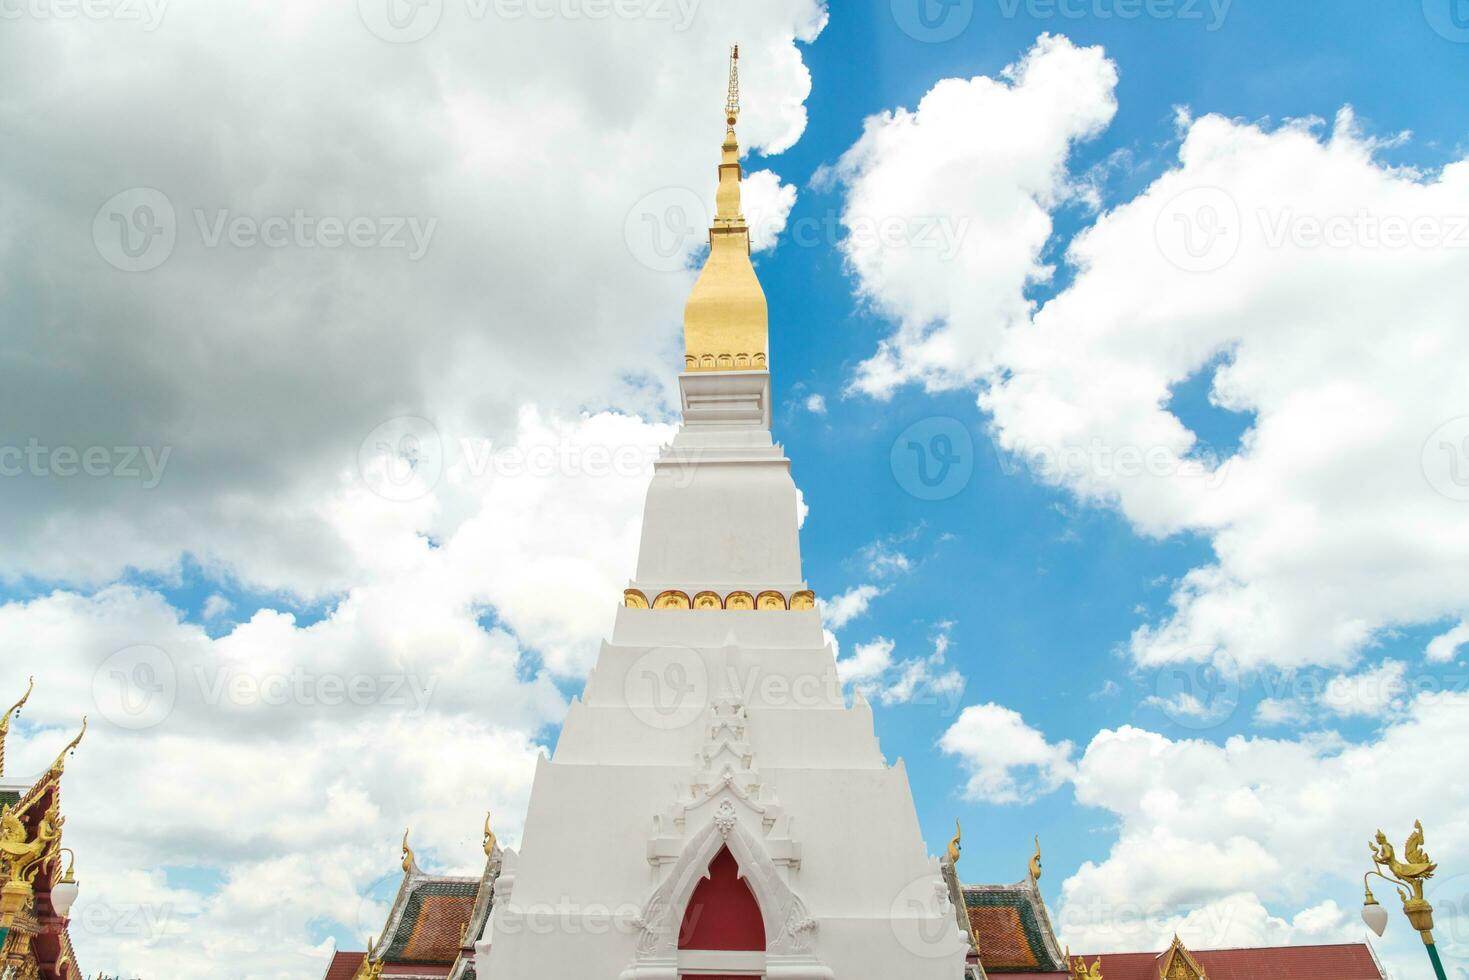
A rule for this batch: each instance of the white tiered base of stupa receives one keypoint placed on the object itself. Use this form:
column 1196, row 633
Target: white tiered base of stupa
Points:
column 708, row 729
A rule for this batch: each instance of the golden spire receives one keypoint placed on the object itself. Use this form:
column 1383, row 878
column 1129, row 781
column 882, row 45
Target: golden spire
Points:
column 5, row 721
column 726, row 320
column 955, row 845
column 1035, row 862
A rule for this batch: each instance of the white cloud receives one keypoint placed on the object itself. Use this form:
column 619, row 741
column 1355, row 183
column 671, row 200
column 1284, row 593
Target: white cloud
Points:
column 816, row 404
column 841, row 609
column 868, row 661
column 1371, row 693
column 919, row 680
column 1281, row 711
column 959, row 251
column 885, row 561
column 1328, row 307
column 1445, row 647
column 1008, row 761
column 262, row 370
column 766, row 203
column 1211, row 836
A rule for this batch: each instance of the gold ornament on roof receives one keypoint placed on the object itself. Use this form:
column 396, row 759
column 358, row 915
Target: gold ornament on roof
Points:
column 60, row 763
column 370, row 969
column 21, row 854
column 1079, row 970
column 955, row 845
column 726, row 319
column 409, row 864
column 1035, row 861
column 491, row 844
column 5, row 721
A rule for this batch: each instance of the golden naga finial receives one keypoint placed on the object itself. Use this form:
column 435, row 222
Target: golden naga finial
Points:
column 1035, row 861
column 491, row 844
column 60, row 764
column 5, row 721
column 21, row 855
column 955, row 845
column 410, row 865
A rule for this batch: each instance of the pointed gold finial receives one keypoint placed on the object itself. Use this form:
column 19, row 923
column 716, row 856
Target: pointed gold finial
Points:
column 60, row 764
column 491, row 844
column 732, row 102
column 5, row 721
column 955, row 845
column 726, row 320
column 1035, row 862
column 410, row 864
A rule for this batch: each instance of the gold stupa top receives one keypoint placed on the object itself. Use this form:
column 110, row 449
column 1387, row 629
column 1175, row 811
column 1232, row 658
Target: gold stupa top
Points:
column 726, row 322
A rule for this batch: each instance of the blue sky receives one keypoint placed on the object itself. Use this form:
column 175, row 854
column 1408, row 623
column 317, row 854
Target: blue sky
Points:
column 267, row 371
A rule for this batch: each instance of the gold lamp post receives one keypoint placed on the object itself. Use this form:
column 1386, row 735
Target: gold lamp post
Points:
column 1407, row 876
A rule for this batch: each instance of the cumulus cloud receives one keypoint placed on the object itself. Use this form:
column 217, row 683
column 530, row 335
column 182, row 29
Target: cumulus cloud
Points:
column 846, row 606
column 259, row 355
column 1314, row 288
column 948, row 207
column 1211, row 836
column 1446, row 646
column 1008, row 761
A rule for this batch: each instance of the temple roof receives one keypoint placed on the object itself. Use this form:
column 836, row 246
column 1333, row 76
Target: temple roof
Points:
column 432, row 926
column 1349, row 961
column 429, row 922
column 1009, row 926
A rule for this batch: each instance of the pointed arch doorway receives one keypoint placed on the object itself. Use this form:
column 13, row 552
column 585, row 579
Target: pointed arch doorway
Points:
column 723, row 932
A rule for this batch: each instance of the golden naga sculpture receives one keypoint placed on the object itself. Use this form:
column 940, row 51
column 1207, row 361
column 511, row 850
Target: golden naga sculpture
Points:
column 21, row 854
column 726, row 320
column 370, row 969
column 1417, row 868
column 1409, row 875
column 1079, row 970
column 1035, row 862
column 955, row 845
column 491, row 843
column 410, row 865
column 5, row 721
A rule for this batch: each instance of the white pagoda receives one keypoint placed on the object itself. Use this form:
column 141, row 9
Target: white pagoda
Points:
column 714, row 807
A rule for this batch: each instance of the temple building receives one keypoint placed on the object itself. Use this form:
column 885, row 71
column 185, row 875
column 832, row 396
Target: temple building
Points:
column 37, row 880
column 715, row 807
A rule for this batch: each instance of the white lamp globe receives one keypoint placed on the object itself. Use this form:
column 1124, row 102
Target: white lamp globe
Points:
column 63, row 897
column 1376, row 917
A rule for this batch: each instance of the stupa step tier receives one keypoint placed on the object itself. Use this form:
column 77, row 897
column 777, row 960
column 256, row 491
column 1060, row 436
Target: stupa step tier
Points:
column 739, row 599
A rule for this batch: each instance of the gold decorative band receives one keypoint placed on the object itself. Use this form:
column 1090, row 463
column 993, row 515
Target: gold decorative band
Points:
column 675, row 599
column 724, row 362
